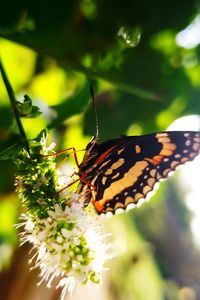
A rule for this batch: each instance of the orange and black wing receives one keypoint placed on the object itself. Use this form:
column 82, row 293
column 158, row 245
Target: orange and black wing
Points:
column 128, row 174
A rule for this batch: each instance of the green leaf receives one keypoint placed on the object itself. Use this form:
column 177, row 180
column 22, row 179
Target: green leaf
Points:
column 72, row 105
column 36, row 143
column 11, row 152
column 26, row 109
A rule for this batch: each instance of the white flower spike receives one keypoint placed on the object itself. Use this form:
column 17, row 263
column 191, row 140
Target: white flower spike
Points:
column 69, row 241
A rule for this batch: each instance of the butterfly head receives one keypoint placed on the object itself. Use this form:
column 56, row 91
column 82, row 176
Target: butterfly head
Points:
column 91, row 152
column 92, row 146
column 92, row 143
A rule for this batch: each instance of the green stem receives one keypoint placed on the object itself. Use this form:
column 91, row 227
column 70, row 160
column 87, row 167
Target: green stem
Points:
column 14, row 107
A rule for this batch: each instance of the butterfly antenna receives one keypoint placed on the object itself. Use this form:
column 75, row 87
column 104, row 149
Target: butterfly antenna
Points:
column 95, row 111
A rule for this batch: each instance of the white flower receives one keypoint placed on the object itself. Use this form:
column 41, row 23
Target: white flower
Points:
column 46, row 149
column 69, row 241
column 70, row 244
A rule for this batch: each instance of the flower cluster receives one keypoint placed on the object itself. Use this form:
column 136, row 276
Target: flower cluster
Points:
column 68, row 240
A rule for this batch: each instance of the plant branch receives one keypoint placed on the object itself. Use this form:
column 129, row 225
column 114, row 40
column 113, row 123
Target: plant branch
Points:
column 14, row 107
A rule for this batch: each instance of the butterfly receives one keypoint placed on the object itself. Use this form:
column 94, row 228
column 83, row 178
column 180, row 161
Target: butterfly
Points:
column 121, row 173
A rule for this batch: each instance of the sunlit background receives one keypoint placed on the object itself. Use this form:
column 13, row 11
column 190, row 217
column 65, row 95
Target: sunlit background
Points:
column 145, row 68
column 189, row 176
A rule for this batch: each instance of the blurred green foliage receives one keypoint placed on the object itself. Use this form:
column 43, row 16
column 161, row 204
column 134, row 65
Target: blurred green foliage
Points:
column 143, row 81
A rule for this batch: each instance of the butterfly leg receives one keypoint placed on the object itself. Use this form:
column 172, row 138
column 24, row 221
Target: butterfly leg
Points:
column 74, row 151
column 67, row 186
column 82, row 178
column 86, row 193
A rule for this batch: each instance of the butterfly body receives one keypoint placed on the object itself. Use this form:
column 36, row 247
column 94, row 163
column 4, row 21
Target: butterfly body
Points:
column 120, row 173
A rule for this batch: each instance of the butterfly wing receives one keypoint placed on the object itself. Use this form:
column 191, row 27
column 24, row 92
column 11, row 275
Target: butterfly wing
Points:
column 129, row 172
